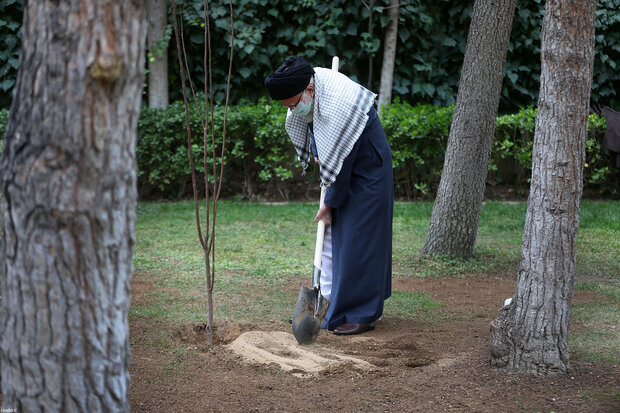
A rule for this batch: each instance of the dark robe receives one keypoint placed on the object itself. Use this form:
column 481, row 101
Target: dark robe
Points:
column 362, row 201
column 611, row 140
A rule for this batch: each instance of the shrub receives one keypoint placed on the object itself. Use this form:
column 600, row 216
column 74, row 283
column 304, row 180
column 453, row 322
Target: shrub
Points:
column 418, row 136
column 259, row 156
column 261, row 162
column 511, row 156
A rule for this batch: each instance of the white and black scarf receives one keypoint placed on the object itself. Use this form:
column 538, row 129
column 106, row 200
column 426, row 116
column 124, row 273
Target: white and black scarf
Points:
column 340, row 114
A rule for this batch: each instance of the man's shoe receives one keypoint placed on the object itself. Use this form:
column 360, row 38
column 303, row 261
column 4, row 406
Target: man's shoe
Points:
column 347, row 329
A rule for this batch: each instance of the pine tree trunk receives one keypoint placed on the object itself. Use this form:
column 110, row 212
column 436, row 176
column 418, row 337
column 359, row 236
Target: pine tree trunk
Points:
column 157, row 11
column 389, row 55
column 454, row 220
column 68, row 206
column 531, row 334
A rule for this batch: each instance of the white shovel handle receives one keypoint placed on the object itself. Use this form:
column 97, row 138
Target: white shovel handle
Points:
column 320, row 235
column 335, row 61
column 320, row 231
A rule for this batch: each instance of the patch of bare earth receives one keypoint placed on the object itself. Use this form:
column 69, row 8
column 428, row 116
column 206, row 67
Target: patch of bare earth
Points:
column 402, row 366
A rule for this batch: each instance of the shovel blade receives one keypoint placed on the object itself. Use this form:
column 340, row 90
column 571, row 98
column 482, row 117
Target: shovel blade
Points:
column 306, row 326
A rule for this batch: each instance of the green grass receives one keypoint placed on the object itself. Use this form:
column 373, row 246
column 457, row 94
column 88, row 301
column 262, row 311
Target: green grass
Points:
column 405, row 304
column 606, row 394
column 596, row 337
column 177, row 366
column 496, row 251
column 598, row 239
column 264, row 250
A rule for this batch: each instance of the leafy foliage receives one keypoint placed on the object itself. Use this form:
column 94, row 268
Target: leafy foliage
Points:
column 261, row 162
column 606, row 81
column 432, row 37
column 260, row 156
column 418, row 137
column 10, row 47
column 523, row 60
column 4, row 118
column 511, row 156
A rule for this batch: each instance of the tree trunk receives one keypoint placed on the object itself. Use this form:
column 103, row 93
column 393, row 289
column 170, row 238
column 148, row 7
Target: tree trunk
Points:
column 68, row 206
column 389, row 55
column 209, row 279
column 157, row 11
column 455, row 216
column 371, row 9
column 531, row 334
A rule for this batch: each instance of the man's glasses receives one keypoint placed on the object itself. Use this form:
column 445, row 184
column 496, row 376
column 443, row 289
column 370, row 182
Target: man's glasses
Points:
column 291, row 107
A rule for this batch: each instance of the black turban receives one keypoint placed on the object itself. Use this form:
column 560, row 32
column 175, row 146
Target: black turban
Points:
column 290, row 79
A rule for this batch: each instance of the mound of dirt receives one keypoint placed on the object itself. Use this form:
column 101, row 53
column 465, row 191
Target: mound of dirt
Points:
column 281, row 348
column 413, row 365
column 223, row 333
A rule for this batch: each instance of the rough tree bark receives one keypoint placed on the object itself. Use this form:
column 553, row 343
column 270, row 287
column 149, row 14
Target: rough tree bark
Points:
column 454, row 220
column 531, row 334
column 157, row 11
column 389, row 55
column 68, row 206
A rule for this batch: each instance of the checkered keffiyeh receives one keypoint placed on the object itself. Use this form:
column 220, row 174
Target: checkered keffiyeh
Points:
column 340, row 114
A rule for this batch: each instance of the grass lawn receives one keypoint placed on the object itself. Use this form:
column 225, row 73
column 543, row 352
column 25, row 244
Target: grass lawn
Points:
column 261, row 248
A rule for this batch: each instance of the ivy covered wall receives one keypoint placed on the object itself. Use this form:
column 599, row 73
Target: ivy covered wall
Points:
column 432, row 37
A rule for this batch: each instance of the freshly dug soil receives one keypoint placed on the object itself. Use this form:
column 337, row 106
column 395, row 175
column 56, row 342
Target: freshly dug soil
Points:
column 402, row 366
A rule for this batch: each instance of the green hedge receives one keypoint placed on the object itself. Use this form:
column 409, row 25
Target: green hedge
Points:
column 432, row 37
column 511, row 156
column 260, row 160
column 418, row 137
column 261, row 163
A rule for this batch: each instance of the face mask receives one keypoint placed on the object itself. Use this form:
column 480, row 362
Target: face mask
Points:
column 302, row 108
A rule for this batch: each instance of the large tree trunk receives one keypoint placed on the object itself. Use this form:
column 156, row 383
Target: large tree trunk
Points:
column 531, row 333
column 455, row 216
column 389, row 55
column 157, row 11
column 68, row 206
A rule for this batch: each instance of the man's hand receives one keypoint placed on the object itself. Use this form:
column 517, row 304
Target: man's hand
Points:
column 324, row 214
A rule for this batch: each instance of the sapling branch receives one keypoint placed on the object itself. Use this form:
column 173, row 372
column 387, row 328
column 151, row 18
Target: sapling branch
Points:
column 208, row 127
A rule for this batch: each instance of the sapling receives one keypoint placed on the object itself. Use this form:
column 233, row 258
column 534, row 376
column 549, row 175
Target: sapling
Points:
column 207, row 239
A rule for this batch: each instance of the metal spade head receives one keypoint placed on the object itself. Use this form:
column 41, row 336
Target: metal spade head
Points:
column 309, row 315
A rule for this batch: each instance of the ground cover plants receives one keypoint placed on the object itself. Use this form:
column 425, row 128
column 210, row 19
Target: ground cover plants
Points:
column 430, row 350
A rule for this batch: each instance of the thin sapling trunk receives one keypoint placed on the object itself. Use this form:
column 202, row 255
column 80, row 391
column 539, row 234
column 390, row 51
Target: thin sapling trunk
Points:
column 207, row 240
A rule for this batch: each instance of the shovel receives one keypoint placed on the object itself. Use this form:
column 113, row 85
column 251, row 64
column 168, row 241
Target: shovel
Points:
column 311, row 306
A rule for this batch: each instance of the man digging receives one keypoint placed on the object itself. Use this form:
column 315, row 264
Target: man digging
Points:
column 334, row 118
